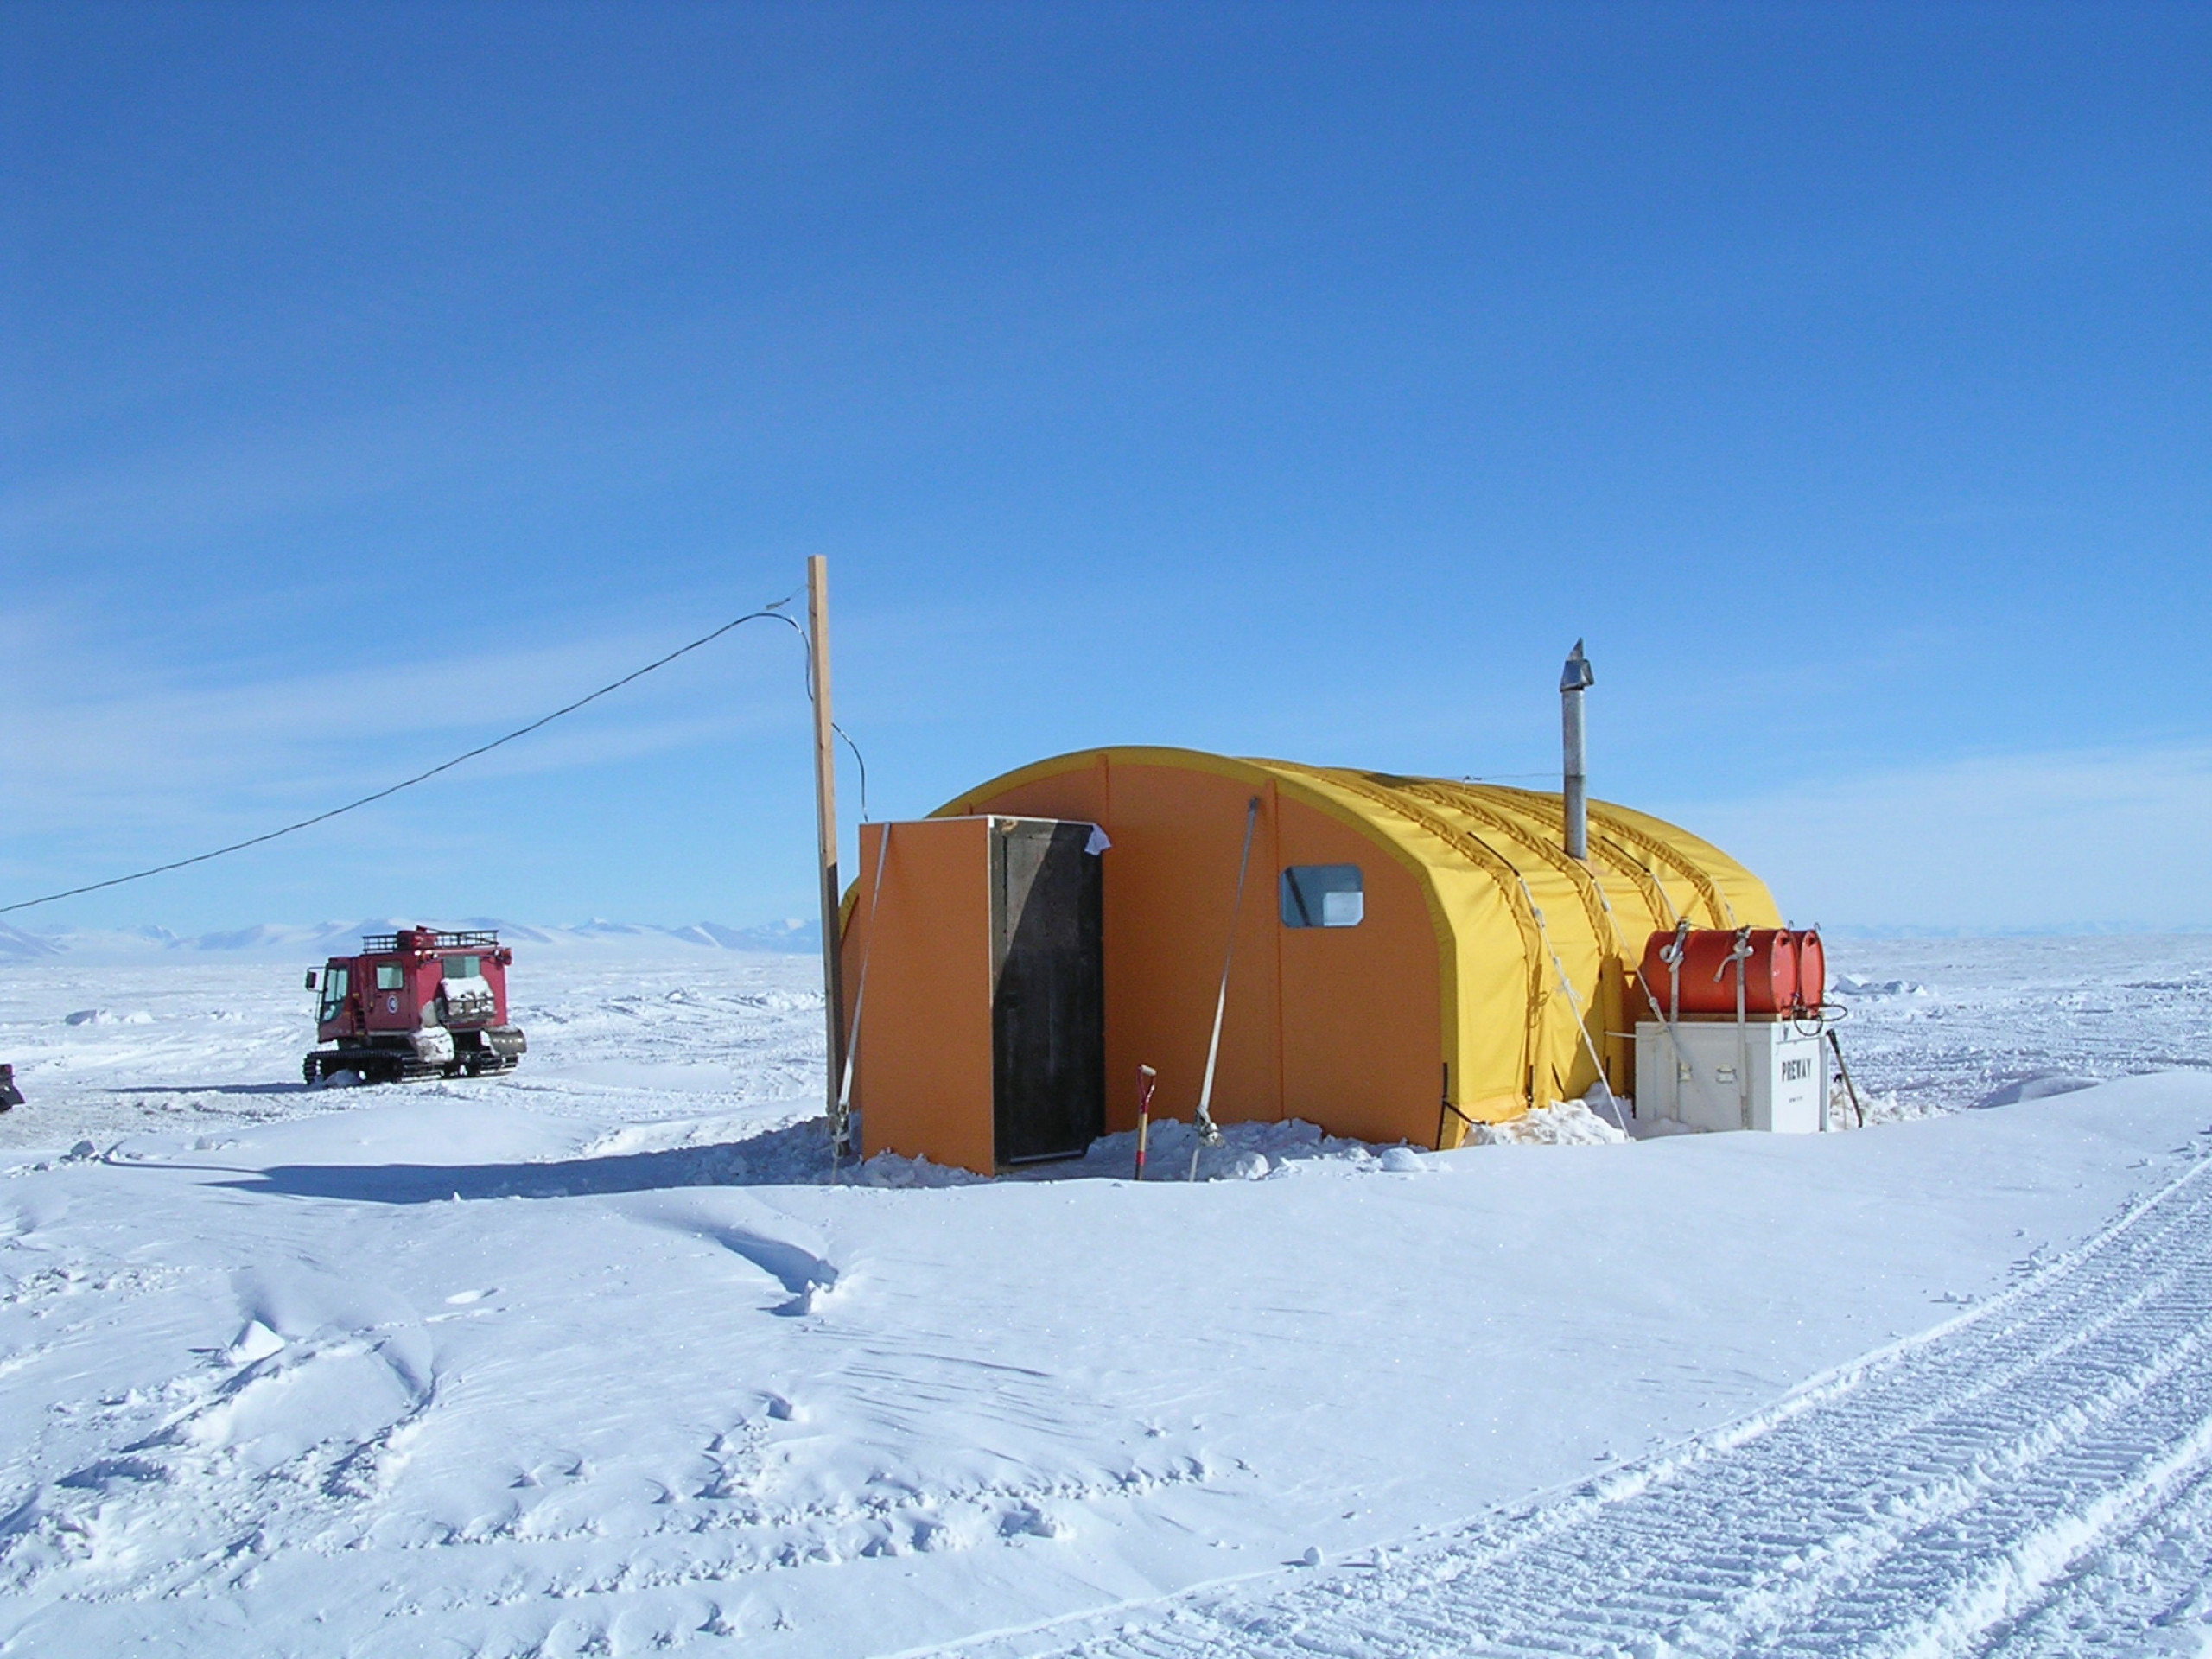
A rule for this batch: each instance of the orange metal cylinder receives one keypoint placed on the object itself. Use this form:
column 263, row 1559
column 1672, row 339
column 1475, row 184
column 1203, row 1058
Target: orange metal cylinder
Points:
column 1812, row 969
column 1708, row 975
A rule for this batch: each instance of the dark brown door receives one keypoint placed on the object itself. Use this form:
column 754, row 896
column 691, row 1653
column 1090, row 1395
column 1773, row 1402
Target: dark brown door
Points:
column 1047, row 990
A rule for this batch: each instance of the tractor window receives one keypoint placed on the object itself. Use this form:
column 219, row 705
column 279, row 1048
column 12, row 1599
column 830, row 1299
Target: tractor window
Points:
column 1322, row 895
column 463, row 967
column 335, row 982
column 391, row 976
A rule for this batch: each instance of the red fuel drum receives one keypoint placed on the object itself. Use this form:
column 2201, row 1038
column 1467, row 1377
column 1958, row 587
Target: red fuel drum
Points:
column 1812, row 969
column 1708, row 977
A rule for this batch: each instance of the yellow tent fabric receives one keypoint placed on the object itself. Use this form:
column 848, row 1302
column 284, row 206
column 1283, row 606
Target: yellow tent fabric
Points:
column 1536, row 953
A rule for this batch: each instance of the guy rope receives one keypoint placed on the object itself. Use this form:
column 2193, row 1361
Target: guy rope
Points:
column 1208, row 1135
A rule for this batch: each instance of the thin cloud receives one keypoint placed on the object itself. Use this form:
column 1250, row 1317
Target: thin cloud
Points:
column 2080, row 838
column 96, row 746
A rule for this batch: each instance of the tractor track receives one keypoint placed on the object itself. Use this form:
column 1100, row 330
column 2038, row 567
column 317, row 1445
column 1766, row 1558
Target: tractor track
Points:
column 2033, row 1478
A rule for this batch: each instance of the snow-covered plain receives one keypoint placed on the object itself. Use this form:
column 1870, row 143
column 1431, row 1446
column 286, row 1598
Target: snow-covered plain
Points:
column 590, row 1359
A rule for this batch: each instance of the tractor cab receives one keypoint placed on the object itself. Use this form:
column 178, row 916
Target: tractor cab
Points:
column 414, row 1003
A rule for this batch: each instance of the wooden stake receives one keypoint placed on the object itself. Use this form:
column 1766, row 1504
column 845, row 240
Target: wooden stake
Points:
column 826, row 830
column 1146, row 1078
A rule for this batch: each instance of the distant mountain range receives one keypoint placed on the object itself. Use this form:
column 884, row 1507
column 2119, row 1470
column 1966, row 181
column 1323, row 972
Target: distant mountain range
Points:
column 321, row 940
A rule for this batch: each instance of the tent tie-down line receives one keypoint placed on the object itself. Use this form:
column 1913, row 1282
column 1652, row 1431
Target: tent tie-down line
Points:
column 770, row 612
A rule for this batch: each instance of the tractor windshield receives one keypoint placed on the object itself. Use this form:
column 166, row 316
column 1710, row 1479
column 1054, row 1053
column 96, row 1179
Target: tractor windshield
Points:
column 335, row 982
column 463, row 967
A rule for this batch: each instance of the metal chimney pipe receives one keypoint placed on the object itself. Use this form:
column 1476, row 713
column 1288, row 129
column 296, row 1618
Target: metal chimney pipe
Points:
column 1574, row 680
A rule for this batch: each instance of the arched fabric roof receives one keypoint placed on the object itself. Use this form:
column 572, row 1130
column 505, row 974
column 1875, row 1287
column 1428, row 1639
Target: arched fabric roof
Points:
column 1535, row 952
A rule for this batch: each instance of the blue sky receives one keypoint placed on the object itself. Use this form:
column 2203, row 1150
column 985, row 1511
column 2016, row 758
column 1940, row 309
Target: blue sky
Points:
column 1299, row 380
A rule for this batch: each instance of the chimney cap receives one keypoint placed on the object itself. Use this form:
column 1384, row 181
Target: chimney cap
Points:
column 1576, row 676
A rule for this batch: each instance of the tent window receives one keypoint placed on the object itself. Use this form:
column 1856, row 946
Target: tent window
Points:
column 1322, row 895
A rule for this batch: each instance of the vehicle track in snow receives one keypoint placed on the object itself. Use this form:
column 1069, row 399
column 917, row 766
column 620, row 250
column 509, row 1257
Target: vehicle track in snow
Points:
column 2033, row 1478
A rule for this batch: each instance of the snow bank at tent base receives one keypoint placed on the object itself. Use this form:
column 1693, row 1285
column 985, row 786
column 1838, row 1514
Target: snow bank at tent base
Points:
column 1243, row 1151
column 1587, row 1123
column 1175, row 1151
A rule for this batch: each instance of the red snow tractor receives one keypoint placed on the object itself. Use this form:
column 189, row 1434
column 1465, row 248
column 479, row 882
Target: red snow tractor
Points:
column 417, row 1003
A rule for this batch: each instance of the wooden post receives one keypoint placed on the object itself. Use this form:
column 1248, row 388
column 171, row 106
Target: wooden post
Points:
column 825, row 825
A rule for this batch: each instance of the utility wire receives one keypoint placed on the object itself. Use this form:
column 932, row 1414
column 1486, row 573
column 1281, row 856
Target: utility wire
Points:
column 806, row 649
column 767, row 613
column 860, row 760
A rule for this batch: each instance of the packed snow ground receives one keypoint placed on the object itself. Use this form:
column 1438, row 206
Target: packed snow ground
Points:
column 589, row 1358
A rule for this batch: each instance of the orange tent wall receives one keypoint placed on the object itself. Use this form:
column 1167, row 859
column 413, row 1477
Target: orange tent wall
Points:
column 922, row 1053
column 1340, row 1027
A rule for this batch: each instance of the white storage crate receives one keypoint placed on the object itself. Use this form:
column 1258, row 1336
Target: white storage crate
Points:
column 1715, row 1074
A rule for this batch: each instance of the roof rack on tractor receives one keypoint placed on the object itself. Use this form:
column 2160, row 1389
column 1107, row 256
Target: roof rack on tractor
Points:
column 425, row 938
